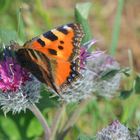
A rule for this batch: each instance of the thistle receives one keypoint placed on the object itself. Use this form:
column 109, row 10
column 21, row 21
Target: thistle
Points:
column 115, row 131
column 18, row 87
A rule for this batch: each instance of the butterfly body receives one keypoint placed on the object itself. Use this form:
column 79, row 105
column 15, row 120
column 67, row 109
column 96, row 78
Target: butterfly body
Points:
column 53, row 56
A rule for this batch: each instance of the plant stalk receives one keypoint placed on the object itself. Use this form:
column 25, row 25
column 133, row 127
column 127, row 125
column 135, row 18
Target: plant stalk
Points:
column 116, row 28
column 42, row 120
column 56, row 121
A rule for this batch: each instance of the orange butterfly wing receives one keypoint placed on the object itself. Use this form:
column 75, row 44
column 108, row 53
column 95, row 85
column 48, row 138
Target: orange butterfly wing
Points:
column 54, row 55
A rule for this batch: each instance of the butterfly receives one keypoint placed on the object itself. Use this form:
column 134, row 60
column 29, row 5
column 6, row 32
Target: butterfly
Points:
column 52, row 57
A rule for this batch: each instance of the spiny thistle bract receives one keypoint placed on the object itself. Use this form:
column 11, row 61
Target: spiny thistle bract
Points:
column 115, row 131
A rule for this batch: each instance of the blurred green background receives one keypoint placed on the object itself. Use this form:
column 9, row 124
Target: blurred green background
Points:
column 21, row 20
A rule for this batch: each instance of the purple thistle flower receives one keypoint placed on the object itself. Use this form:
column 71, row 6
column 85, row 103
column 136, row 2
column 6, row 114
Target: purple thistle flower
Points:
column 84, row 53
column 101, row 66
column 18, row 88
column 12, row 76
column 115, row 131
column 94, row 65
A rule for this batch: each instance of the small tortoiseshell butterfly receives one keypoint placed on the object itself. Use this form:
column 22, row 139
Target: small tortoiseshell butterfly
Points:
column 53, row 56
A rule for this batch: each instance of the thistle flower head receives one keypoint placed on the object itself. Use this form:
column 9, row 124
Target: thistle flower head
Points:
column 12, row 76
column 115, row 131
column 84, row 53
column 106, row 74
column 94, row 67
column 18, row 88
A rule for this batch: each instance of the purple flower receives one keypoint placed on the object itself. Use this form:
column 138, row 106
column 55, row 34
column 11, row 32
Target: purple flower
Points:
column 12, row 76
column 85, row 54
column 18, row 88
column 115, row 131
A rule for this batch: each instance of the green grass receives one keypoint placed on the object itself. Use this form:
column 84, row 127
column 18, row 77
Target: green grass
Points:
column 116, row 27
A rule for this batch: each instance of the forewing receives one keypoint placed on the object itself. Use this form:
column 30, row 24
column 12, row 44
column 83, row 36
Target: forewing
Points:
column 38, row 64
column 60, row 43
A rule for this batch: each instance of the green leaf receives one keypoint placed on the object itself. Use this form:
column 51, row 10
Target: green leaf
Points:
column 43, row 13
column 4, row 4
column 137, row 85
column 22, row 122
column 126, row 93
column 109, row 74
column 7, row 35
column 21, row 27
column 34, row 129
column 126, row 71
column 116, row 28
column 84, row 137
column 81, row 16
column 9, row 128
column 83, row 9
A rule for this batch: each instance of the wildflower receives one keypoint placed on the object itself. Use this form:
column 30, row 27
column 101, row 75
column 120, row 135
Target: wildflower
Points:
column 18, row 88
column 95, row 68
column 115, row 131
column 106, row 74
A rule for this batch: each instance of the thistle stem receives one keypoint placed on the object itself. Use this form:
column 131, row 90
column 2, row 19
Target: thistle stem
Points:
column 72, row 120
column 76, row 114
column 42, row 120
column 56, row 121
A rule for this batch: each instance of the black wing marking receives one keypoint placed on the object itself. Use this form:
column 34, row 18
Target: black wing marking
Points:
column 24, row 56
